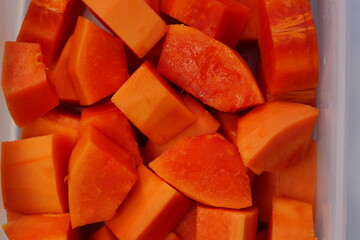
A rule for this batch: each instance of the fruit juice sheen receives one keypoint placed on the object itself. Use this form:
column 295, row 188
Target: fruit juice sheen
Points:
column 332, row 29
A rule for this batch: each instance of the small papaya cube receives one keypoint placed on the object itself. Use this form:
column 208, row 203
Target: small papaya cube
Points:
column 275, row 135
column 97, row 64
column 41, row 227
column 49, row 23
column 27, row 92
column 58, row 121
column 172, row 236
column 204, row 222
column 100, row 176
column 297, row 182
column 60, row 78
column 150, row 103
column 103, row 234
column 291, row 219
column 205, row 123
column 208, row 69
column 112, row 123
column 150, row 211
column 33, row 174
column 288, row 45
column 207, row 169
column 223, row 20
column 133, row 21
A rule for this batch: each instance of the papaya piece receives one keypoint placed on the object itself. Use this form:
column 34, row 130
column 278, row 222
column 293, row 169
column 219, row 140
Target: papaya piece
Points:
column 291, row 219
column 205, row 123
column 150, row 103
column 41, row 227
column 288, row 45
column 304, row 96
column 172, row 236
column 133, row 21
column 33, row 171
column 100, row 176
column 103, row 234
column 60, row 78
column 200, row 65
column 113, row 124
column 154, row 4
column 228, row 124
column 58, row 121
column 49, row 23
column 12, row 215
column 250, row 30
column 207, row 169
column 297, row 182
column 275, row 135
column 27, row 92
column 203, row 222
column 97, row 64
column 150, row 211
column 223, row 20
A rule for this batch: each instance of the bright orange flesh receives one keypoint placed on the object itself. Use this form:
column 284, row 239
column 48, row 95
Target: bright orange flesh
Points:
column 33, row 174
column 27, row 92
column 133, row 21
column 150, row 103
column 203, row 222
column 207, row 169
column 275, row 135
column 100, row 176
column 205, row 123
column 150, row 211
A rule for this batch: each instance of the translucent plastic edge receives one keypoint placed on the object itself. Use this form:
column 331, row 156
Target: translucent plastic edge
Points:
column 332, row 22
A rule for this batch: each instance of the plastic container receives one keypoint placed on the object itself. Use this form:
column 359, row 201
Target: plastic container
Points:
column 332, row 27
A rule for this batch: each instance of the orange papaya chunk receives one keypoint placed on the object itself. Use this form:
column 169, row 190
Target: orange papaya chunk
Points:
column 58, row 121
column 27, row 92
column 150, row 211
column 41, row 227
column 154, row 4
column 288, row 45
column 208, row 169
column 49, row 23
column 223, row 20
column 60, row 78
column 172, row 236
column 297, row 182
column 291, row 219
column 12, row 215
column 33, row 174
column 112, row 123
column 150, row 103
column 250, row 30
column 205, row 123
column 97, row 64
column 100, row 176
column 275, row 135
column 103, row 234
column 133, row 21
column 307, row 96
column 203, row 222
column 208, row 69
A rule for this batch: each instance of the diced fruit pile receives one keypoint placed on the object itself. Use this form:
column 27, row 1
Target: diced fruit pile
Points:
column 149, row 129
